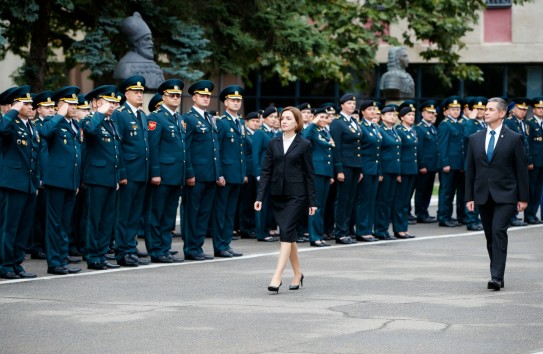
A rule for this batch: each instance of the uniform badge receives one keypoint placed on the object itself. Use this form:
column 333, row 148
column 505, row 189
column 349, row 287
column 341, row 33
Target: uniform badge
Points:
column 151, row 126
column 24, row 142
column 371, row 134
column 184, row 125
column 18, row 141
column 232, row 130
column 232, row 140
column 352, row 129
column 65, row 141
column 409, row 137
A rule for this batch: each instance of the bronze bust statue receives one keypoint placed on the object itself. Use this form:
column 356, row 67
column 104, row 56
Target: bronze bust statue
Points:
column 396, row 83
column 139, row 60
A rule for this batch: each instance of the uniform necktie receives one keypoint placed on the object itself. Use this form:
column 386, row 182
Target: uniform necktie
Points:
column 433, row 129
column 28, row 127
column 490, row 148
column 237, row 123
column 138, row 115
column 176, row 117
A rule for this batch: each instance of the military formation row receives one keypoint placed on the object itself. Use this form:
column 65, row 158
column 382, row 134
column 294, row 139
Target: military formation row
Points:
column 94, row 171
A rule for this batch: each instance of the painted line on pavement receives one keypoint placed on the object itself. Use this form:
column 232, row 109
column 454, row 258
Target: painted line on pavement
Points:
column 256, row 255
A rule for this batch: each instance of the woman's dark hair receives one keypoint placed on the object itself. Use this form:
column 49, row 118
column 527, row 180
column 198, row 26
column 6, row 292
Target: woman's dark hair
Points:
column 297, row 115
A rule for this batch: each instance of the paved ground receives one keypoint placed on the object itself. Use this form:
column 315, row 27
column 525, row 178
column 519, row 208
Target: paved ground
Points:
column 426, row 295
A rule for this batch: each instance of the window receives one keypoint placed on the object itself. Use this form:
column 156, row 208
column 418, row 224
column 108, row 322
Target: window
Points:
column 498, row 3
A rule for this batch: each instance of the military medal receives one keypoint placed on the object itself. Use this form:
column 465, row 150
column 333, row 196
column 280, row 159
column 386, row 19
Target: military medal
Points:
column 232, row 140
column 65, row 141
column 232, row 130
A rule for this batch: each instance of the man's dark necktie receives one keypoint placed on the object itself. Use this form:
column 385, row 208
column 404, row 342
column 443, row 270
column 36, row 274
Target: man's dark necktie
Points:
column 490, row 148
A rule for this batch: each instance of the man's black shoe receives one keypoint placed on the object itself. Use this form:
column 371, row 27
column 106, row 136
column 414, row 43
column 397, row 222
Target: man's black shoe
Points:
column 518, row 222
column 96, row 266
column 248, row 235
column 25, row 275
column 176, row 260
column 448, row 223
column 58, row 270
column 223, row 254
column 234, row 253
column 427, row 220
column 161, row 259
column 72, row 260
column 128, row 261
column 494, row 284
column 9, row 275
column 533, row 221
column 139, row 260
column 110, row 265
column 269, row 239
column 474, row 227
column 72, row 270
column 173, row 253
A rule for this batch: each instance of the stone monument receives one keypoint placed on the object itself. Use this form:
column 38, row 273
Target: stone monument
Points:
column 396, row 83
column 140, row 59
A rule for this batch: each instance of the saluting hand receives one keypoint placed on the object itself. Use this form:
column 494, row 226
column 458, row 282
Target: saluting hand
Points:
column 17, row 106
column 104, row 107
column 63, row 109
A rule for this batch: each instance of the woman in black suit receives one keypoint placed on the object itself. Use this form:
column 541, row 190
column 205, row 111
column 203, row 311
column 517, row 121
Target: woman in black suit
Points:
column 288, row 172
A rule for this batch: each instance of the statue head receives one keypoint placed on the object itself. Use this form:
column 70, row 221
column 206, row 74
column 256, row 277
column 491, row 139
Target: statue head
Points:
column 397, row 58
column 139, row 35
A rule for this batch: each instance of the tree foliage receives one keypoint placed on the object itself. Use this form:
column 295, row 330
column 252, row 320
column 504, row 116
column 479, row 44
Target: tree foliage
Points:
column 290, row 39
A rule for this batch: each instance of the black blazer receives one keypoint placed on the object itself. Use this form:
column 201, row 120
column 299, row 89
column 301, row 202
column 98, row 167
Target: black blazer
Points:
column 288, row 174
column 505, row 176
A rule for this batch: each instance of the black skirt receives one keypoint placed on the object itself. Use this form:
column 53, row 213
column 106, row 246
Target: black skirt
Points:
column 288, row 211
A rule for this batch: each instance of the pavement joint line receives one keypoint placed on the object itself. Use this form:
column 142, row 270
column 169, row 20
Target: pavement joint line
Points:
column 259, row 255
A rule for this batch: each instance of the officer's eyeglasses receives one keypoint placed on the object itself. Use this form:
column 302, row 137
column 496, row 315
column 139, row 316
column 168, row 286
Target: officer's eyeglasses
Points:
column 173, row 95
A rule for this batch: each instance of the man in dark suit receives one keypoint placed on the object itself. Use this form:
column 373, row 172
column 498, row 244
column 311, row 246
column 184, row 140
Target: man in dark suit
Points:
column 497, row 182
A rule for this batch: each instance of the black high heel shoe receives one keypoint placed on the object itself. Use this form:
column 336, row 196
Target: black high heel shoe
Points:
column 275, row 288
column 296, row 287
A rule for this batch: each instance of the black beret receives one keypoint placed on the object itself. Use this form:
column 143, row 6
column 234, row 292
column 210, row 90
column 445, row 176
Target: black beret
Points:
column 405, row 110
column 303, row 106
column 268, row 111
column 347, row 97
column 389, row 108
column 252, row 115
column 367, row 103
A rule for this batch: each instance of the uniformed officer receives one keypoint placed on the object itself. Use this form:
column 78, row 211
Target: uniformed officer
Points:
column 307, row 114
column 168, row 157
column 516, row 122
column 323, row 161
column 261, row 138
column 534, row 129
column 231, row 131
column 408, row 175
column 370, row 142
column 346, row 134
column 203, row 171
column 247, row 195
column 61, row 177
column 427, row 152
column 19, row 180
column 390, row 171
column 472, row 124
column 83, row 107
column 132, row 127
column 45, row 107
column 154, row 102
column 451, row 163
column 103, row 161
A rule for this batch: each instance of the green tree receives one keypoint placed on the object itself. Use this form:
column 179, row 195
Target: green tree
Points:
column 290, row 39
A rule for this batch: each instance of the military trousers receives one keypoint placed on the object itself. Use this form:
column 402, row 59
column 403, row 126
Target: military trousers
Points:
column 246, row 211
column 423, row 193
column 365, row 204
column 130, row 212
column 100, row 221
column 37, row 240
column 223, row 215
column 198, row 206
column 16, row 209
column 161, row 214
column 402, row 201
column 450, row 184
column 316, row 221
column 385, row 200
column 59, row 206
column 346, row 196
